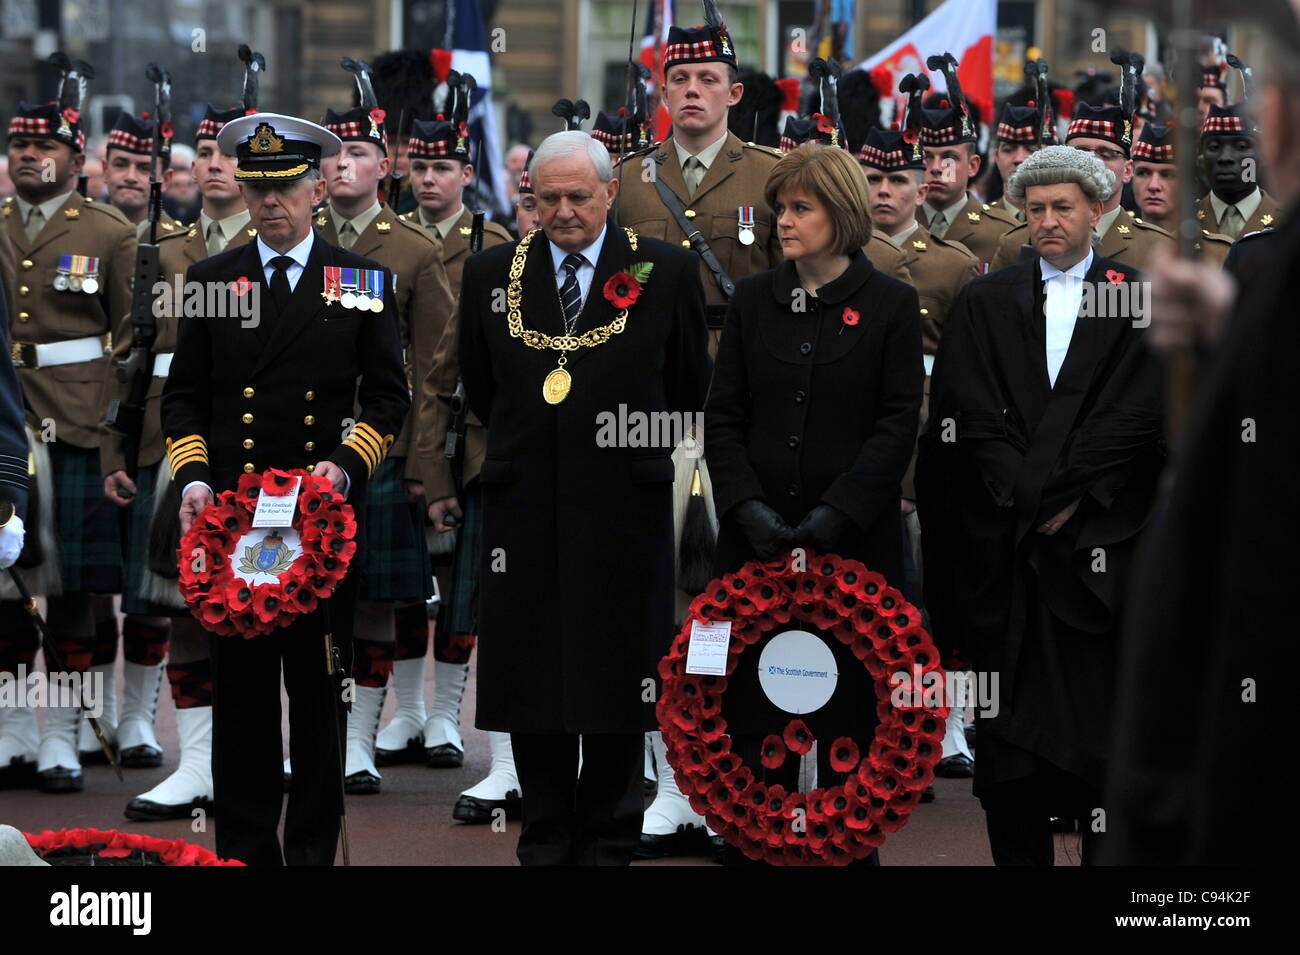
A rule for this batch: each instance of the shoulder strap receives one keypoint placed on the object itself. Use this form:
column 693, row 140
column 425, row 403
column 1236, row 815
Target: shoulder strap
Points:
column 697, row 241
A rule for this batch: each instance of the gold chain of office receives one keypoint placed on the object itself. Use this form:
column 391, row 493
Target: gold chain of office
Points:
column 540, row 340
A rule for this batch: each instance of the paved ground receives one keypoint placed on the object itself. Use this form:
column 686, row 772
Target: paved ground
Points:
column 409, row 822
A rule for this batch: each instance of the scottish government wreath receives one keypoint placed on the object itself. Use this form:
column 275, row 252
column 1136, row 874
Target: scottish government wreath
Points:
column 840, row 823
column 237, row 579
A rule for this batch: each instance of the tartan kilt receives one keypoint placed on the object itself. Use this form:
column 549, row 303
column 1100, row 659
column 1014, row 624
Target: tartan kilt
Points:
column 88, row 525
column 460, row 604
column 395, row 566
column 139, row 519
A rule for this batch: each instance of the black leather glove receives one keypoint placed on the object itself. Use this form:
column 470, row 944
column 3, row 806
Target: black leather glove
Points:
column 821, row 529
column 768, row 534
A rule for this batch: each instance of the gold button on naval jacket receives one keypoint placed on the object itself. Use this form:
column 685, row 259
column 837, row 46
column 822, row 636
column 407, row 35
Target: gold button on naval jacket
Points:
column 28, row 263
column 248, row 443
column 925, row 311
column 686, row 243
column 310, row 395
column 23, row 290
column 23, row 316
column 248, row 468
column 311, row 468
column 309, row 420
column 247, row 419
column 309, row 446
column 248, row 392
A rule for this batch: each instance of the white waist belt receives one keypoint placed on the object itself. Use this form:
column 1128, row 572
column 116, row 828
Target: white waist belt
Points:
column 58, row 353
column 162, row 364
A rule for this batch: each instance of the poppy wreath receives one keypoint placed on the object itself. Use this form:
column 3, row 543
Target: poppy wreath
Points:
column 110, row 847
column 831, row 825
column 224, row 602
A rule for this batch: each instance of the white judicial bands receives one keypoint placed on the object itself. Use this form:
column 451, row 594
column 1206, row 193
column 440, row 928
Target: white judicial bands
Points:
column 73, row 908
column 797, row 671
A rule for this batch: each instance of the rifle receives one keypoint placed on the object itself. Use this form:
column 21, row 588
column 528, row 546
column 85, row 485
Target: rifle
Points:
column 136, row 370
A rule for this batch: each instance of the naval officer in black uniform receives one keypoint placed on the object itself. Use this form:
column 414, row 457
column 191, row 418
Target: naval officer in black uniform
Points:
column 245, row 395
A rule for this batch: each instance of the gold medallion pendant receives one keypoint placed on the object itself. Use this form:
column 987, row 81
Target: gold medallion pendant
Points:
column 556, row 386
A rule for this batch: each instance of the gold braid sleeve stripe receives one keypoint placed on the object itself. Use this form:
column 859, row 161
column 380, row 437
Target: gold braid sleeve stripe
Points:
column 368, row 443
column 185, row 451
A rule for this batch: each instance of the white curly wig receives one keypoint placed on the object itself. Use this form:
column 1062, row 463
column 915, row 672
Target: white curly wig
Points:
column 1053, row 164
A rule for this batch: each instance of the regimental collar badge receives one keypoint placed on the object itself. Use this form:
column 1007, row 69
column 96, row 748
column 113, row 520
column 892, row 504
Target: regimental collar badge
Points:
column 918, row 244
column 1123, row 229
column 973, row 216
column 1266, row 220
column 383, row 226
column 72, row 213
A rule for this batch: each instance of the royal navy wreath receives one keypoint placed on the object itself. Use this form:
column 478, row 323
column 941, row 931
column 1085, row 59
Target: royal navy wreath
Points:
column 246, row 581
column 98, row 847
column 831, row 825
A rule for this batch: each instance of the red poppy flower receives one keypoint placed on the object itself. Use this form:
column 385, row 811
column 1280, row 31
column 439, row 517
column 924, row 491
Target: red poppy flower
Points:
column 1114, row 278
column 622, row 290
column 850, row 316
column 377, row 116
column 242, row 285
column 71, row 115
column 773, row 752
column 798, row 738
column 167, row 131
column 844, row 755
column 712, row 728
column 824, row 124
column 275, row 481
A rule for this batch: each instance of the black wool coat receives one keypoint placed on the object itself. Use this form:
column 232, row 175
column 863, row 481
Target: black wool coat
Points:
column 576, row 591
column 1004, row 451
column 807, row 408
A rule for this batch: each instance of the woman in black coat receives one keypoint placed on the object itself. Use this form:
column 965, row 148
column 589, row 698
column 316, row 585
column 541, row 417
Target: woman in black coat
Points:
column 810, row 424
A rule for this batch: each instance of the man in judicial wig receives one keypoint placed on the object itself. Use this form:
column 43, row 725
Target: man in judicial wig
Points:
column 810, row 422
column 577, row 548
column 1037, row 470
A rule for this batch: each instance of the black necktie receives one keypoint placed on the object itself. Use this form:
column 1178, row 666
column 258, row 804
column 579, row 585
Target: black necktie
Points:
column 280, row 290
column 570, row 292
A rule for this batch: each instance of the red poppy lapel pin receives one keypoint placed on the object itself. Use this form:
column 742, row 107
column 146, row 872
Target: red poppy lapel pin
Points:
column 242, row 285
column 849, row 317
column 624, row 288
column 1115, row 278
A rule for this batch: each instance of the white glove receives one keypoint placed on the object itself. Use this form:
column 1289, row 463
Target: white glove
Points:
column 11, row 542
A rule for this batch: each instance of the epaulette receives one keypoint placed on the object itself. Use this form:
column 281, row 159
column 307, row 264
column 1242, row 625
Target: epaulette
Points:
column 1252, row 235
column 180, row 233
column 1149, row 226
column 490, row 226
column 954, row 246
column 1001, row 215
column 103, row 208
column 770, row 150
column 424, row 233
column 644, row 151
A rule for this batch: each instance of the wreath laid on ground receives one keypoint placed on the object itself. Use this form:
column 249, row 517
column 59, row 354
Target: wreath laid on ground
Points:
column 237, row 579
column 831, row 824
column 109, row 847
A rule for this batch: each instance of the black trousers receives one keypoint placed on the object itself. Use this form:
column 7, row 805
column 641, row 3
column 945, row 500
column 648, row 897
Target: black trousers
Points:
column 571, row 819
column 1018, row 816
column 247, row 762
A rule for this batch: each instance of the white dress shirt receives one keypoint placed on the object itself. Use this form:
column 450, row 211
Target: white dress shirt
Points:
column 1063, row 294
column 586, row 271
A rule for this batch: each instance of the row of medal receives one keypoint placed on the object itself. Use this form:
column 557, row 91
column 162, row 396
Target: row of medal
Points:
column 745, row 216
column 77, row 273
column 362, row 289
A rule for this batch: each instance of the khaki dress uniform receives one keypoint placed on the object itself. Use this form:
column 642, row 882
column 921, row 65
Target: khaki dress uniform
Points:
column 1129, row 239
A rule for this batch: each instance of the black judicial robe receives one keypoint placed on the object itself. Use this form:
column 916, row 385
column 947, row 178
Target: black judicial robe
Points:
column 1003, row 452
column 1194, row 777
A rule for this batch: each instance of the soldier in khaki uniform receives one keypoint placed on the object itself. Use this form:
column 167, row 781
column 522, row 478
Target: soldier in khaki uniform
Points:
column 938, row 268
column 397, row 573
column 1155, row 187
column 440, row 164
column 128, row 157
column 223, row 223
column 1107, row 133
column 73, row 266
column 1018, row 137
column 1235, row 205
column 952, row 160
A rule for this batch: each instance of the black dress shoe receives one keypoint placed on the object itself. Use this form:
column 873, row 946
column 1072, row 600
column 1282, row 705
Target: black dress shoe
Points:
column 445, row 756
column 686, row 841
column 927, row 794
column 956, row 766
column 60, row 779
column 413, row 753
column 361, row 784
column 146, row 810
column 478, row 812
column 96, row 757
column 139, row 757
